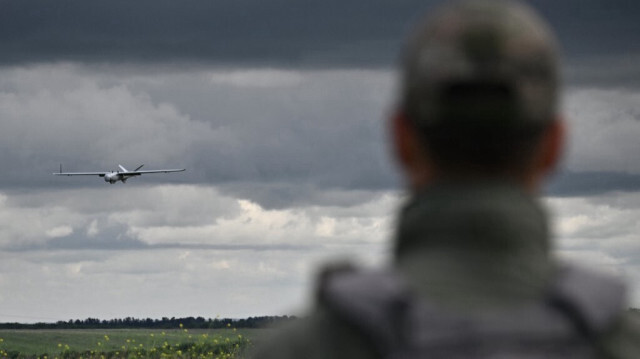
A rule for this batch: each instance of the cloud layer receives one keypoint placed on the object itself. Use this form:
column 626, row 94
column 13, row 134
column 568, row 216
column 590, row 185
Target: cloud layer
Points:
column 266, row 33
column 217, row 257
column 278, row 110
column 255, row 132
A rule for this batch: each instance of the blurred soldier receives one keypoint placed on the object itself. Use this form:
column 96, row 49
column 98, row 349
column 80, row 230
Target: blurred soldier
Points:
column 476, row 132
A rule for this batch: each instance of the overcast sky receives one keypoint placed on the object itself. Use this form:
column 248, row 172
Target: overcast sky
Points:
column 277, row 110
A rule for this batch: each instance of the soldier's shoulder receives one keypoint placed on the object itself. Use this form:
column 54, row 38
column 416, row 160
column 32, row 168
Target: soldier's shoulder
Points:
column 624, row 340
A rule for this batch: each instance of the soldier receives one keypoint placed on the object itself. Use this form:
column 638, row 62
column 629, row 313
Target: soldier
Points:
column 476, row 132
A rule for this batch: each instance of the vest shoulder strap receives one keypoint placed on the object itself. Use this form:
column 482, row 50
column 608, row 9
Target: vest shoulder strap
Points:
column 580, row 305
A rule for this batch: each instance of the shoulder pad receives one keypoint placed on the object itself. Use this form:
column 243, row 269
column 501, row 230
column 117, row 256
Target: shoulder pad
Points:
column 372, row 300
column 592, row 299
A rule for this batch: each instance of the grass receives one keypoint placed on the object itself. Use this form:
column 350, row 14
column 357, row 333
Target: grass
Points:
column 125, row 343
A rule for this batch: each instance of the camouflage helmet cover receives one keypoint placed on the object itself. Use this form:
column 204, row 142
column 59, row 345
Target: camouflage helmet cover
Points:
column 482, row 41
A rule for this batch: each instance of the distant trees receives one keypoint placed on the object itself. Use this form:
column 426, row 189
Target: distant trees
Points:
column 148, row 323
column 171, row 323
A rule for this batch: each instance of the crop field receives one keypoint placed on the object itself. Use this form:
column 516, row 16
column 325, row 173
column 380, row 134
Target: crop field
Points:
column 126, row 343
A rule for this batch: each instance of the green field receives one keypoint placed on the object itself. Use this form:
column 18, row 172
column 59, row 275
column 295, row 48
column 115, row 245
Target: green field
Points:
column 126, row 343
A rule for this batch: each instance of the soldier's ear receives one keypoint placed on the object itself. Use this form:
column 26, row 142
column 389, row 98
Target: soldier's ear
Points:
column 400, row 139
column 553, row 145
column 409, row 152
column 548, row 154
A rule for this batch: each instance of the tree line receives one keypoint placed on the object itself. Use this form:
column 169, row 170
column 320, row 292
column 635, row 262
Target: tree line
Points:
column 148, row 323
column 172, row 323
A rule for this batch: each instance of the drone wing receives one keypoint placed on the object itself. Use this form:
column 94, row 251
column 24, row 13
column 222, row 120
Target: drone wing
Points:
column 153, row 171
column 101, row 174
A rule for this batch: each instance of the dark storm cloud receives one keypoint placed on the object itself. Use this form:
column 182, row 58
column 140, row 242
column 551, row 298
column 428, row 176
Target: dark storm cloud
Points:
column 225, row 31
column 565, row 184
column 581, row 184
column 604, row 71
column 254, row 32
column 279, row 136
column 588, row 28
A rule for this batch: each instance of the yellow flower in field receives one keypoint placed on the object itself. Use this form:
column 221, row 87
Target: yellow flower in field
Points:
column 181, row 325
column 152, row 335
column 106, row 337
column 59, row 345
column 99, row 344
